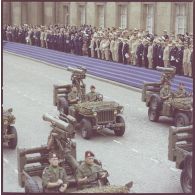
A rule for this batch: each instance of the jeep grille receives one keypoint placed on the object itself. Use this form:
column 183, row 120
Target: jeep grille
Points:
column 105, row 116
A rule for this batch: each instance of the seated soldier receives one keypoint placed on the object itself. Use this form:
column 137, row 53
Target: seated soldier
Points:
column 54, row 178
column 87, row 169
column 181, row 92
column 73, row 97
column 92, row 95
column 165, row 92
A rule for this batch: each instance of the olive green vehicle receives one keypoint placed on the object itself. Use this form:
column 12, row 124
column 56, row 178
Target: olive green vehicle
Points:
column 181, row 109
column 90, row 116
column 95, row 116
column 32, row 161
column 180, row 152
column 9, row 131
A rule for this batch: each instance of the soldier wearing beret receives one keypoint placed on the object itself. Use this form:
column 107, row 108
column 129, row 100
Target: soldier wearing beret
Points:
column 87, row 169
column 181, row 92
column 73, row 96
column 54, row 177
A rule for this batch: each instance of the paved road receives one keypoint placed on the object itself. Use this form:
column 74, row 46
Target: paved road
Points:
column 140, row 155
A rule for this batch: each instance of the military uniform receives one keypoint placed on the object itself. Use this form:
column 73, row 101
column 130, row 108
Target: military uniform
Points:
column 91, row 96
column 85, row 170
column 51, row 174
column 72, row 95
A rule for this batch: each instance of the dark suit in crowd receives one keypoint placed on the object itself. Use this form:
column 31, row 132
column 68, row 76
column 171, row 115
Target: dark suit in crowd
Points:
column 125, row 50
column 155, row 56
column 172, row 56
column 139, row 54
column 179, row 61
column 120, row 54
column 145, row 53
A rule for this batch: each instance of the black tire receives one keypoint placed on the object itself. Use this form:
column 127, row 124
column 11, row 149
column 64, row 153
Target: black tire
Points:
column 31, row 186
column 186, row 182
column 155, row 102
column 120, row 130
column 12, row 143
column 86, row 128
column 188, row 165
column 153, row 114
column 181, row 120
column 62, row 105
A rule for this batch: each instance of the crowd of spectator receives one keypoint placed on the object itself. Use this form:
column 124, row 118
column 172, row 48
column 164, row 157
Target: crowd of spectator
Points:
column 128, row 46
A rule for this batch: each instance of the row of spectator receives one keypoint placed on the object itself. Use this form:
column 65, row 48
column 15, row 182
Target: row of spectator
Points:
column 135, row 47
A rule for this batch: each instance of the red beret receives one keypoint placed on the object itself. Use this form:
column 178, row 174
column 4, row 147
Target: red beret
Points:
column 89, row 154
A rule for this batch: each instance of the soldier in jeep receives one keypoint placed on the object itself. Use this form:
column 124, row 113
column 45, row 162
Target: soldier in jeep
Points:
column 73, row 96
column 92, row 95
column 181, row 92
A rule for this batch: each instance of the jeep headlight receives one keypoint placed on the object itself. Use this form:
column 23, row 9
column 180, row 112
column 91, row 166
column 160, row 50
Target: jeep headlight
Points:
column 115, row 111
column 95, row 114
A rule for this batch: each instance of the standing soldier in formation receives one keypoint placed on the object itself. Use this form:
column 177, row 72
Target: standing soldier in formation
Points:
column 98, row 40
column 54, row 177
column 112, row 44
column 166, row 54
column 173, row 54
column 92, row 46
column 134, row 46
column 186, row 53
column 145, row 53
column 125, row 50
column 115, row 49
column 155, row 54
column 150, row 54
column 107, row 48
column 139, row 53
column 179, row 60
column 120, row 54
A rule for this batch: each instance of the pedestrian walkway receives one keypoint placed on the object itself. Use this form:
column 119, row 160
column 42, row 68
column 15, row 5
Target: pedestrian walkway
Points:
column 126, row 74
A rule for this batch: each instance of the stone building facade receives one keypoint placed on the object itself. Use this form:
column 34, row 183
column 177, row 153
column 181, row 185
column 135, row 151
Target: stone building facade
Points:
column 176, row 17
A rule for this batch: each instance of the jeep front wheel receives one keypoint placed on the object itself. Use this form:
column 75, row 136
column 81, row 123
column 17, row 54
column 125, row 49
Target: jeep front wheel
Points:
column 86, row 129
column 186, row 182
column 153, row 114
column 119, row 131
column 13, row 141
column 181, row 120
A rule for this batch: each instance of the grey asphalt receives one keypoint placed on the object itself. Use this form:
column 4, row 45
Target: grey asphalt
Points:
column 141, row 155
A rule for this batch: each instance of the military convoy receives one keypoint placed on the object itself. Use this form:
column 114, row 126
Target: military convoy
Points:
column 180, row 152
column 9, row 131
column 180, row 109
column 32, row 162
column 90, row 116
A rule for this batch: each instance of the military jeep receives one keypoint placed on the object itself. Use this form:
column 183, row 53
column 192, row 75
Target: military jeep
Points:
column 180, row 152
column 95, row 116
column 180, row 108
column 9, row 131
column 32, row 161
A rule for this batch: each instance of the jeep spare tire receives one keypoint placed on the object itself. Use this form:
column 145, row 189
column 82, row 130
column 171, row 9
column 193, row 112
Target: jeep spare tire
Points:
column 119, row 131
column 181, row 120
column 13, row 141
column 86, row 128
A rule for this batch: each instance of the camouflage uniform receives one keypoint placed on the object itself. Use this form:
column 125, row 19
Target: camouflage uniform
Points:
column 51, row 174
column 85, row 170
column 91, row 96
column 72, row 95
column 180, row 93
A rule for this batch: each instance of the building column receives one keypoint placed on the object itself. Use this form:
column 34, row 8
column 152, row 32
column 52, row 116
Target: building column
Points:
column 6, row 12
column 190, row 22
column 16, row 18
column 135, row 15
column 91, row 13
column 74, row 13
column 49, row 13
column 111, row 14
column 24, row 13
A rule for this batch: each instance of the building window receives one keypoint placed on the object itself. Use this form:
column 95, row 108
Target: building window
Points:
column 180, row 21
column 82, row 11
column 100, row 9
column 123, row 16
column 150, row 18
column 66, row 15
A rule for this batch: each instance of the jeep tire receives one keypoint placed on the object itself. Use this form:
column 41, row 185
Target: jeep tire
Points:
column 186, row 182
column 86, row 128
column 181, row 119
column 31, row 186
column 153, row 114
column 12, row 142
column 62, row 105
column 119, row 131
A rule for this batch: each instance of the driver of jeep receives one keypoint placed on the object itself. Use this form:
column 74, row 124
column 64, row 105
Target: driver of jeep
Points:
column 92, row 95
column 73, row 97
column 89, row 171
column 181, row 92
